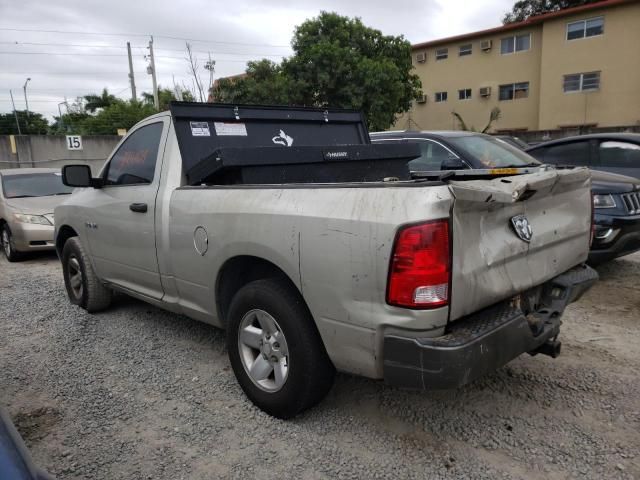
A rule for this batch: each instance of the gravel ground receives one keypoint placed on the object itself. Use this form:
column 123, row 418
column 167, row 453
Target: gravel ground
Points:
column 138, row 393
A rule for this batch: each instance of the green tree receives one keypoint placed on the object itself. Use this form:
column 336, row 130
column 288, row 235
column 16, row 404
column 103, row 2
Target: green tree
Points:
column 31, row 124
column 337, row 62
column 95, row 102
column 524, row 9
column 263, row 83
column 120, row 114
column 165, row 96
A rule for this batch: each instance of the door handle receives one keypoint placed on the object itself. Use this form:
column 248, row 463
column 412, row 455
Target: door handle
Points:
column 138, row 207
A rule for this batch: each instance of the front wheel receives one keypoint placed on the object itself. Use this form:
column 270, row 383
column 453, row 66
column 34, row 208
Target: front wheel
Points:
column 8, row 245
column 83, row 286
column 275, row 349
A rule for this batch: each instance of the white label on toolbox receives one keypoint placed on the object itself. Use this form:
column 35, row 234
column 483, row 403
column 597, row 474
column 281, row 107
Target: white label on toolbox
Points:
column 200, row 129
column 236, row 129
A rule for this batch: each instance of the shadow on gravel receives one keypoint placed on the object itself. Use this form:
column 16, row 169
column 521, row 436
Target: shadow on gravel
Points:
column 36, row 424
column 619, row 268
column 33, row 257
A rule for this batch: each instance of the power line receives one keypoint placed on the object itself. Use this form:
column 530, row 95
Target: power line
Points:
column 85, row 45
column 75, row 54
column 110, row 55
column 142, row 35
column 217, row 59
column 33, row 30
column 106, row 72
column 221, row 42
column 60, row 89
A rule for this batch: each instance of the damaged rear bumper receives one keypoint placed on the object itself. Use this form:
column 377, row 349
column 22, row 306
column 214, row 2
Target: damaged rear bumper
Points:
column 484, row 341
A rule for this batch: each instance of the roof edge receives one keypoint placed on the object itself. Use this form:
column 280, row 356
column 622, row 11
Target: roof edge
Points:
column 538, row 19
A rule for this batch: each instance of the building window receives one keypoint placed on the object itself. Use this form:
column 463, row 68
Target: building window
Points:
column 441, row 96
column 580, row 82
column 442, row 53
column 514, row 91
column 585, row 28
column 466, row 49
column 517, row 43
column 464, row 94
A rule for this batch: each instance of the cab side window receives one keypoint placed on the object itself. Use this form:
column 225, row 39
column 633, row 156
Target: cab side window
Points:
column 431, row 158
column 619, row 154
column 575, row 153
column 135, row 161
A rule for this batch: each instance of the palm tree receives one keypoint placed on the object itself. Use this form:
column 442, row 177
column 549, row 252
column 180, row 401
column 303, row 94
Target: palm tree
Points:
column 494, row 116
column 94, row 102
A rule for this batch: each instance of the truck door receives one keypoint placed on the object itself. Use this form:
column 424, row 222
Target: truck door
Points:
column 122, row 231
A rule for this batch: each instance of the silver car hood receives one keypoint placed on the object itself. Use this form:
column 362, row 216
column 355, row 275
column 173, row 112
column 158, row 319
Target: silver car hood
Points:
column 35, row 205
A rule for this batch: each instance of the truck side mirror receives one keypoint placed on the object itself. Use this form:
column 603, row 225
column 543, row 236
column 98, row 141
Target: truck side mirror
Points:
column 77, row 176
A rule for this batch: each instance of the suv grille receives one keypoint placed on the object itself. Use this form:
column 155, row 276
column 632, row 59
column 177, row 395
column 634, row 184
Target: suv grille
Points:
column 631, row 202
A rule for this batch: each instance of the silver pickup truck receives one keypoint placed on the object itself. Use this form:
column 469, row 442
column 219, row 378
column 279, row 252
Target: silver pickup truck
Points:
column 318, row 251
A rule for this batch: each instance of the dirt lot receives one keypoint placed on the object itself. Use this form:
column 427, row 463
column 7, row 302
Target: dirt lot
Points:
column 137, row 393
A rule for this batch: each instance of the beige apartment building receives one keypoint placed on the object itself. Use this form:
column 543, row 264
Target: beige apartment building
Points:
column 579, row 67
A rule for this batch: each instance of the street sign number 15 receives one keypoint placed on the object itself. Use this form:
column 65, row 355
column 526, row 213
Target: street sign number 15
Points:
column 74, row 142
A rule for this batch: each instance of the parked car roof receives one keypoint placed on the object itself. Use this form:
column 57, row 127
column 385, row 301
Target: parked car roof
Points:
column 26, row 171
column 627, row 137
column 438, row 133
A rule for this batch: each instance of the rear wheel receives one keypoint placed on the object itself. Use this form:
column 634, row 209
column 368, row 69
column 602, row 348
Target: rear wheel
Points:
column 83, row 286
column 8, row 245
column 275, row 349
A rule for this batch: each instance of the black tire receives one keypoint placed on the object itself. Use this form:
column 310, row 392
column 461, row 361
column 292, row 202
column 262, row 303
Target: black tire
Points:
column 310, row 371
column 8, row 245
column 83, row 286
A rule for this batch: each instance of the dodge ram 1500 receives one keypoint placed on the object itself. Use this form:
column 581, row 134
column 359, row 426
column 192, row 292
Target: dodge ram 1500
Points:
column 318, row 251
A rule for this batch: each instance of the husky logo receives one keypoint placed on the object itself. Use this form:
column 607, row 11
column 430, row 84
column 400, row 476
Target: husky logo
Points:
column 282, row 139
column 522, row 228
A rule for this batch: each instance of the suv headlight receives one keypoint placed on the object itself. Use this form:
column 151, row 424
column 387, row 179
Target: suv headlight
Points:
column 37, row 219
column 604, row 201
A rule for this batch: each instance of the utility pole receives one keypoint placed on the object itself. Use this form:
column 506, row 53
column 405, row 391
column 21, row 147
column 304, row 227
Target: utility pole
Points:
column 152, row 70
column 15, row 112
column 24, row 87
column 61, row 121
column 131, row 77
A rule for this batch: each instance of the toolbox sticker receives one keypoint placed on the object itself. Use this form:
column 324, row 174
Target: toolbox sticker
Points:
column 230, row 129
column 282, row 139
column 200, row 129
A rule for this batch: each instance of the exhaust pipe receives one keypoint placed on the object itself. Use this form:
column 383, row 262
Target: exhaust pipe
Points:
column 550, row 348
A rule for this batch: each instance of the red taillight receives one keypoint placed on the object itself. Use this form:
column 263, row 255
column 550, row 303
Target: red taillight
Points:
column 420, row 264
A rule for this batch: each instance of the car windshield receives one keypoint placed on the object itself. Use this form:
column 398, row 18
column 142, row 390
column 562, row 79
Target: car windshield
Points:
column 34, row 185
column 490, row 152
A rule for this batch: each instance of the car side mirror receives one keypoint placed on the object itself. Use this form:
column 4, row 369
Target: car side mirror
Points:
column 78, row 176
column 453, row 163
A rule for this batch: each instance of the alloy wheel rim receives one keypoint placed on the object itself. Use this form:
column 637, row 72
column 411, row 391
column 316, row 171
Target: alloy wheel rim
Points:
column 75, row 277
column 263, row 350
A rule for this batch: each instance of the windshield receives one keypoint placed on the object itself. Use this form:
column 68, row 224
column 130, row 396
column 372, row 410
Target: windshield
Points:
column 34, row 185
column 490, row 152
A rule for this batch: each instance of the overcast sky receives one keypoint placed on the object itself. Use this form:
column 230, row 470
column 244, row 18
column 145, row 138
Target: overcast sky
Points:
column 234, row 31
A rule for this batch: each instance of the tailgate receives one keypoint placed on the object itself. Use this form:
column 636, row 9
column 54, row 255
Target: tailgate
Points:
column 491, row 262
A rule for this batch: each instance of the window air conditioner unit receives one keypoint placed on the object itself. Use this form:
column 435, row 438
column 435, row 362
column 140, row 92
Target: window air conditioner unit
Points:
column 485, row 91
column 421, row 57
column 422, row 99
column 485, row 45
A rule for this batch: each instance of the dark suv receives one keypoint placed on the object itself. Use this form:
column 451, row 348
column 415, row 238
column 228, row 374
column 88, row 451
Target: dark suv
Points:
column 611, row 152
column 617, row 197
